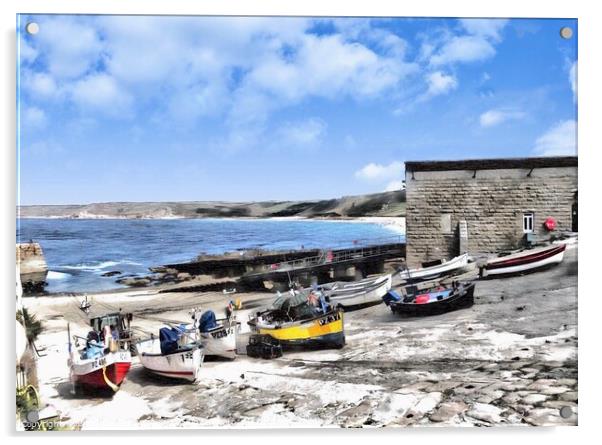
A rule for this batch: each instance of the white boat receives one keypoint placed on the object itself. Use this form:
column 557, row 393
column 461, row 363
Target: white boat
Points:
column 184, row 363
column 426, row 273
column 358, row 293
column 221, row 340
column 217, row 337
column 524, row 261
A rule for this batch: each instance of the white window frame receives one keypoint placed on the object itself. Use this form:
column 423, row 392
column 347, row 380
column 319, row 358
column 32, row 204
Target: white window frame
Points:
column 528, row 222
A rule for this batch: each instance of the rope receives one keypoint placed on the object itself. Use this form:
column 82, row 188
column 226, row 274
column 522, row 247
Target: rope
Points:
column 107, row 381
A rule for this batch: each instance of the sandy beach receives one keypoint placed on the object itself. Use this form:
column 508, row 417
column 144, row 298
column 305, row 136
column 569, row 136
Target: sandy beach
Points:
column 510, row 359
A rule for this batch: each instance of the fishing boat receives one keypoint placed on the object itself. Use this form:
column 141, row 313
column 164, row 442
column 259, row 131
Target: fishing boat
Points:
column 216, row 335
column 173, row 355
column 437, row 300
column 524, row 261
column 301, row 319
column 356, row 294
column 95, row 367
column 430, row 271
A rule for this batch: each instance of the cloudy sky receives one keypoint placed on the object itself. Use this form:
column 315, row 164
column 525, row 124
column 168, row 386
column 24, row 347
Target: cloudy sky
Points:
column 211, row 108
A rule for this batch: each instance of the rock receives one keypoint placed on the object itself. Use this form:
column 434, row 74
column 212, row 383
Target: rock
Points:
column 111, row 273
column 485, row 412
column 134, row 282
column 447, row 410
column 533, row 399
column 183, row 276
column 490, row 395
column 554, row 390
column 570, row 396
column 541, row 384
column 356, row 415
column 427, row 403
column 511, row 398
column 547, row 417
column 566, row 382
column 444, row 385
column 413, row 388
column 558, row 404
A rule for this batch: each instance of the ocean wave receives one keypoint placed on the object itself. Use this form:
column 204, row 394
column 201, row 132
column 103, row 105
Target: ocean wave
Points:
column 54, row 275
column 101, row 265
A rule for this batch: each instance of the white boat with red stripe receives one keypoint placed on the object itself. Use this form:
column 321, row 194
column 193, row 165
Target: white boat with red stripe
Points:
column 524, row 261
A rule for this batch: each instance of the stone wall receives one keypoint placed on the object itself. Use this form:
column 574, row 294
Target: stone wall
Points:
column 492, row 203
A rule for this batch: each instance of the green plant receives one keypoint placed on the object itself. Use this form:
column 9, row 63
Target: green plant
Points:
column 33, row 326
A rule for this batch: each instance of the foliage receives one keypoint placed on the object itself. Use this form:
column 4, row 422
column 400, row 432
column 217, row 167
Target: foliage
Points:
column 33, row 326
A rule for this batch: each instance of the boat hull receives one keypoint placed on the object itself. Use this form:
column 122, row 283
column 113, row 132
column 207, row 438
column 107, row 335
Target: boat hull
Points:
column 180, row 365
column 220, row 342
column 326, row 331
column 352, row 296
column 527, row 262
column 462, row 297
column 102, row 373
column 428, row 273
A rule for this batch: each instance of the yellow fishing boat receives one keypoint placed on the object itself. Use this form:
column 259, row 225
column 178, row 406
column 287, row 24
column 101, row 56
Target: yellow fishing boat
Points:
column 295, row 322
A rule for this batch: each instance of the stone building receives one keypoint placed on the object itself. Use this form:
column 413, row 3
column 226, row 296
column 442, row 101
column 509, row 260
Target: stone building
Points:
column 486, row 205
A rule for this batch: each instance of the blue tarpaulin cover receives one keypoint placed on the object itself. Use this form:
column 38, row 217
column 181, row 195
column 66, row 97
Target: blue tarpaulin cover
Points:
column 169, row 340
column 390, row 297
column 207, row 322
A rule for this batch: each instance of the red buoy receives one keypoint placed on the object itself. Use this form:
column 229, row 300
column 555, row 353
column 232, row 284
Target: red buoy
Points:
column 550, row 224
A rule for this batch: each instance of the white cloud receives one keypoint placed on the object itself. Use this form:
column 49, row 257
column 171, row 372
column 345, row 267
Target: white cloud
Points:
column 495, row 117
column 559, row 140
column 33, row 118
column 381, row 173
column 397, row 184
column 440, row 83
column 573, row 79
column 463, row 49
column 70, row 47
column 40, row 85
column 101, row 92
column 489, row 28
column 27, row 53
column 328, row 66
column 303, row 134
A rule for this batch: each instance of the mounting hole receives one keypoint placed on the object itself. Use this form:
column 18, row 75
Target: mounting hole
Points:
column 32, row 28
column 566, row 32
column 566, row 412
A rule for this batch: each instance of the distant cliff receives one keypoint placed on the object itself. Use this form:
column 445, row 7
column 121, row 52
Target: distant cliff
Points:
column 378, row 204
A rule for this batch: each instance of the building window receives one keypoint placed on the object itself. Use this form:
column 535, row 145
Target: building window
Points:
column 528, row 222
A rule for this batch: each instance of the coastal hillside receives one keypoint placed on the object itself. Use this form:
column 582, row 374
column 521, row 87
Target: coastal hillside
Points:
column 378, row 204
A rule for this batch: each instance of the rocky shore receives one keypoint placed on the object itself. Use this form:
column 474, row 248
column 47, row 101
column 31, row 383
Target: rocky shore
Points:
column 511, row 359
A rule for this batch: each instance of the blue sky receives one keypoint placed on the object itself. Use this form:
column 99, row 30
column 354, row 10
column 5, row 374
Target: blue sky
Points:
column 138, row 108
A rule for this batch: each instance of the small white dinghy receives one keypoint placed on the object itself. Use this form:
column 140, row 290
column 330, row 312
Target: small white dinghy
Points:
column 175, row 358
column 359, row 293
column 426, row 273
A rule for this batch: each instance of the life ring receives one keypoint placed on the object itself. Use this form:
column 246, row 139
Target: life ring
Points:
column 550, row 224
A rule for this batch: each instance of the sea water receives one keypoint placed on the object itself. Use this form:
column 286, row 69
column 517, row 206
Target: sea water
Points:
column 79, row 252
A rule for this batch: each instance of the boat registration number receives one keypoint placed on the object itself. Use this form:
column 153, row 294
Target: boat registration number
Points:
column 222, row 333
column 329, row 319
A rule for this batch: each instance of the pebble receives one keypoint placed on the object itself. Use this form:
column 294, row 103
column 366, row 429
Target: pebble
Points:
column 554, row 390
column 427, row 403
column 447, row 410
column 532, row 399
column 485, row 412
column 547, row 416
column 570, row 396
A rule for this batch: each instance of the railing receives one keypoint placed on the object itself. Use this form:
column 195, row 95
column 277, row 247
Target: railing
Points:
column 328, row 257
